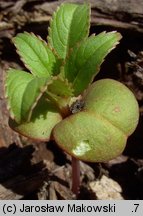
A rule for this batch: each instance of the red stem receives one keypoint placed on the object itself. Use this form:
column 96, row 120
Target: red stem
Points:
column 75, row 176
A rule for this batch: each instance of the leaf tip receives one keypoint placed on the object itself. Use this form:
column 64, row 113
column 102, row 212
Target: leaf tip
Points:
column 118, row 34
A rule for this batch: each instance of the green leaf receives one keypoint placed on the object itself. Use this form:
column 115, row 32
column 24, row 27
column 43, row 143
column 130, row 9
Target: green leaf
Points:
column 99, row 132
column 70, row 24
column 36, row 55
column 33, row 92
column 23, row 91
column 60, row 92
column 44, row 117
column 60, row 87
column 89, row 137
column 85, row 60
column 114, row 102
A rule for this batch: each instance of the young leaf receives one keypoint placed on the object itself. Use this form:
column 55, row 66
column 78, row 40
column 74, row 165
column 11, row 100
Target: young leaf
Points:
column 70, row 24
column 36, row 55
column 44, row 117
column 85, row 60
column 60, row 91
column 23, row 91
column 36, row 88
column 60, row 87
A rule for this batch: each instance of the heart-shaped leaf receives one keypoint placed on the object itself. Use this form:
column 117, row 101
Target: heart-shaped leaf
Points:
column 23, row 91
column 36, row 55
column 99, row 132
column 85, row 60
column 66, row 21
column 44, row 117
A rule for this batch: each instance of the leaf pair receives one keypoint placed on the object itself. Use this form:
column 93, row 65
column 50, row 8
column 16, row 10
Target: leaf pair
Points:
column 24, row 89
column 32, row 114
column 68, row 35
column 85, row 60
column 99, row 131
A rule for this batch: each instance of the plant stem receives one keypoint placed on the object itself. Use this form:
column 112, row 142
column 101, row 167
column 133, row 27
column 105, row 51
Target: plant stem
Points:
column 75, row 176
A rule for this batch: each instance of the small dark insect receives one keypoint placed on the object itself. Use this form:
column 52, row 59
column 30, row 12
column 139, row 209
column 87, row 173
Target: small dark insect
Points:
column 77, row 106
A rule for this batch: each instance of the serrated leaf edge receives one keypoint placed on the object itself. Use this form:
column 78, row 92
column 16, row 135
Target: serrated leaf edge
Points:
column 51, row 21
column 6, row 96
column 42, row 91
column 67, row 83
column 43, row 41
column 119, row 38
column 77, row 46
column 50, row 24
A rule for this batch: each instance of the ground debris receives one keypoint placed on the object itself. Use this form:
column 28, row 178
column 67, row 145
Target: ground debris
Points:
column 106, row 188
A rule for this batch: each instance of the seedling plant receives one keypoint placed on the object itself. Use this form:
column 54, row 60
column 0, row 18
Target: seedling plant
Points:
column 57, row 100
